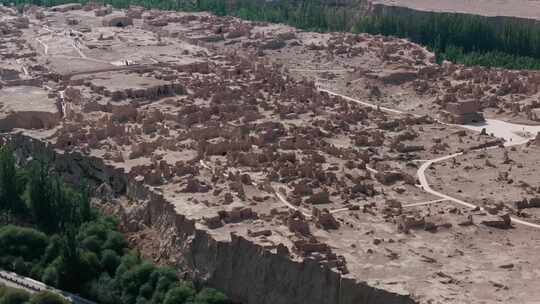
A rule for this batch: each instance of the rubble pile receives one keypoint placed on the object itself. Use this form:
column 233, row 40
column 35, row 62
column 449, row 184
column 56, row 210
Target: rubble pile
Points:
column 208, row 132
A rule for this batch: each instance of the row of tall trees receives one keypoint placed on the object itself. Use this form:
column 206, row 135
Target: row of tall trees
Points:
column 50, row 232
column 304, row 14
column 463, row 38
column 34, row 194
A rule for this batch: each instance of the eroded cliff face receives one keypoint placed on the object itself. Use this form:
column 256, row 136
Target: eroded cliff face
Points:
column 246, row 272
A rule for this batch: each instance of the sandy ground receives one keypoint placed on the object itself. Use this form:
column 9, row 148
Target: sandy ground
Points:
column 26, row 99
column 529, row 9
column 510, row 132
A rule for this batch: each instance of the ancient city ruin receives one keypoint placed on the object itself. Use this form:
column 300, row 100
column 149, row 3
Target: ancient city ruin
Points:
column 285, row 166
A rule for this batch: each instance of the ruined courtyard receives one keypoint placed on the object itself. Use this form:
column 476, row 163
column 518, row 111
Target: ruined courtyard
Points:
column 284, row 166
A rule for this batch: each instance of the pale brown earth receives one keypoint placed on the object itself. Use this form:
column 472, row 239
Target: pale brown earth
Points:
column 526, row 9
column 226, row 120
column 27, row 107
column 505, row 176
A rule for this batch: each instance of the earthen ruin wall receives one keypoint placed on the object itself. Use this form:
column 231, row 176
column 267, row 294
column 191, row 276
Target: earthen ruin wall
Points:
column 245, row 271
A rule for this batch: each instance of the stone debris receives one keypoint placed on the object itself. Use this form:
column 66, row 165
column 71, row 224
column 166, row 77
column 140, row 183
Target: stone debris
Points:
column 66, row 7
column 297, row 223
column 104, row 11
column 237, row 215
column 324, row 219
column 222, row 137
column 264, row 232
column 135, row 12
column 501, row 221
column 528, row 203
column 322, row 197
column 405, row 223
column 462, row 112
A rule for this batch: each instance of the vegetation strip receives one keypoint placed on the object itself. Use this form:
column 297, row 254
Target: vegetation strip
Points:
column 49, row 232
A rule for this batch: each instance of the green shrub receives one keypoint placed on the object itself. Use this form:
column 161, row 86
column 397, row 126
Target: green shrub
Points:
column 179, row 294
column 92, row 243
column 14, row 296
column 26, row 243
column 47, row 297
column 211, row 296
column 50, row 276
column 85, row 253
column 105, row 290
column 11, row 184
column 109, row 261
column 115, row 241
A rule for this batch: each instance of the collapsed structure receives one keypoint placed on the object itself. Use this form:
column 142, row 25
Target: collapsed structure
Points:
column 462, row 112
column 256, row 168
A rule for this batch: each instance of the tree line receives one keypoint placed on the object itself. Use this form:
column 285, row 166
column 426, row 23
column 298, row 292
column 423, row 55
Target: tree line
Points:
column 51, row 233
column 311, row 15
column 468, row 39
column 10, row 295
column 460, row 38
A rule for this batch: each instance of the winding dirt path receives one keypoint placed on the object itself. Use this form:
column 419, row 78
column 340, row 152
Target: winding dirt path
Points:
column 421, row 171
column 367, row 104
column 425, row 185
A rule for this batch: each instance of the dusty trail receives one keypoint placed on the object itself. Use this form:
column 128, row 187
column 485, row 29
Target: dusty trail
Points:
column 322, row 70
column 367, row 104
column 45, row 46
column 424, row 203
column 425, row 185
column 500, row 127
column 32, row 286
